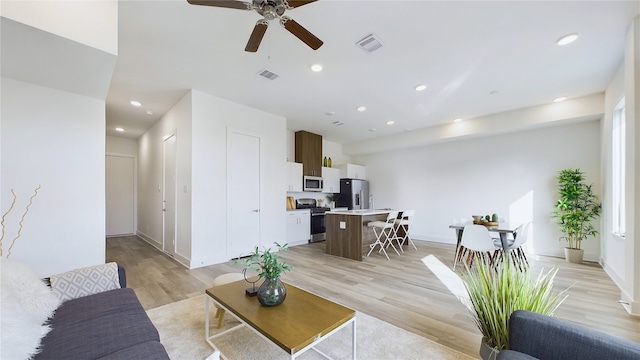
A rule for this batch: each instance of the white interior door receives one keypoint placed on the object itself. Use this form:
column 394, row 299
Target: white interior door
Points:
column 243, row 182
column 120, row 195
column 169, row 195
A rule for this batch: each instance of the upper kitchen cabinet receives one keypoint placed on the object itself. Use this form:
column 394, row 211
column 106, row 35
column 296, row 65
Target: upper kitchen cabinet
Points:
column 295, row 177
column 309, row 153
column 353, row 171
column 331, row 180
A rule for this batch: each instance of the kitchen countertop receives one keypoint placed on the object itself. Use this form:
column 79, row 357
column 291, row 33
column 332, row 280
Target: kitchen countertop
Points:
column 362, row 212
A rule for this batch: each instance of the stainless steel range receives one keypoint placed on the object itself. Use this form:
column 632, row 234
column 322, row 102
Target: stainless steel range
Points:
column 318, row 224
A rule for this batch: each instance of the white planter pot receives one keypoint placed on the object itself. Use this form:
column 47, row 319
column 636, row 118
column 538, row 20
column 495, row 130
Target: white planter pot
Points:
column 573, row 255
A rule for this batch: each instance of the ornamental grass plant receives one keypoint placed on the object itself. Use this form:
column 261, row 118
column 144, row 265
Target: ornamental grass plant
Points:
column 495, row 293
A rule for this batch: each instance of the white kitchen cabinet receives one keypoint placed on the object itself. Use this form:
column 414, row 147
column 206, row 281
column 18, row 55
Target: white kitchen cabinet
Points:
column 353, row 171
column 331, row 180
column 298, row 227
column 295, row 177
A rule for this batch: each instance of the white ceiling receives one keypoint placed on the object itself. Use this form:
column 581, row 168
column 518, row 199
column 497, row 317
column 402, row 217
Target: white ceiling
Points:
column 476, row 57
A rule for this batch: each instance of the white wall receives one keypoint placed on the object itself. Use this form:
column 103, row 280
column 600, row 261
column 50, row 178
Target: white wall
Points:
column 211, row 118
column 150, row 179
column 512, row 175
column 122, row 146
column 93, row 23
column 612, row 256
column 200, row 122
column 54, row 139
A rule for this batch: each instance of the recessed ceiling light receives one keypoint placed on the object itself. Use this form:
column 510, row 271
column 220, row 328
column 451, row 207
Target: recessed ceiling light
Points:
column 149, row 112
column 316, row 67
column 330, row 113
column 136, row 103
column 390, row 122
column 361, row 108
column 119, row 129
column 457, row 120
column 493, row 92
column 372, row 129
column 567, row 39
column 421, row 87
column 559, row 99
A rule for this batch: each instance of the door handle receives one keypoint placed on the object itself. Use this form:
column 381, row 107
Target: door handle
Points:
column 256, row 210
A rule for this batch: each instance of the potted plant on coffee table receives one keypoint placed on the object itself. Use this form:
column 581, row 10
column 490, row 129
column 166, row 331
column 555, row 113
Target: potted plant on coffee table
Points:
column 269, row 266
column 575, row 211
column 495, row 293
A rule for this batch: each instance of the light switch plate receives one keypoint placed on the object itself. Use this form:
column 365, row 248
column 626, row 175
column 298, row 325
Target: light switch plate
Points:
column 343, row 225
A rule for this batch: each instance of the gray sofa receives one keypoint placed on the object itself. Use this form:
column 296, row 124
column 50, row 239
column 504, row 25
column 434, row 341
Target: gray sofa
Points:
column 536, row 336
column 110, row 325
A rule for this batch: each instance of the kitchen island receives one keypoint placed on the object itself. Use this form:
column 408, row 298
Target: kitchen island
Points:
column 348, row 233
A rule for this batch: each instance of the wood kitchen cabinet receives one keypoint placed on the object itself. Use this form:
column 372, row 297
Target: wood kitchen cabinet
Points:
column 309, row 152
column 353, row 171
column 295, row 176
column 298, row 227
column 331, row 180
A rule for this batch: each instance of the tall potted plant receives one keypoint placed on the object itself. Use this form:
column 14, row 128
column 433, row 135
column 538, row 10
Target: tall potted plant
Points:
column 495, row 293
column 575, row 211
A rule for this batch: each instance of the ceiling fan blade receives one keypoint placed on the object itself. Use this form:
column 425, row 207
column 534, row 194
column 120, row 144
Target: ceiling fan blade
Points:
column 297, row 3
column 230, row 4
column 256, row 36
column 301, row 33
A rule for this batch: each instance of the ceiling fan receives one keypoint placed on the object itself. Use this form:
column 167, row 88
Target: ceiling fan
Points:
column 269, row 9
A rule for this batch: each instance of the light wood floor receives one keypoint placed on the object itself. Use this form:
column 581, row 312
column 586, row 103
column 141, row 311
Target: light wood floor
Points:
column 402, row 291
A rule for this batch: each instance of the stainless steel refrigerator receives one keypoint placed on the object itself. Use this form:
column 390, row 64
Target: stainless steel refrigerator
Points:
column 354, row 194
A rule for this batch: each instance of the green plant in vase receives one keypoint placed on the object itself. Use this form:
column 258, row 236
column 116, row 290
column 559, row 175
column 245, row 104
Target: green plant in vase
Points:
column 269, row 266
column 333, row 198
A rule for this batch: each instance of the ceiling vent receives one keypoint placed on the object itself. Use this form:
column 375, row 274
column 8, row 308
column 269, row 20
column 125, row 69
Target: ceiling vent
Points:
column 268, row 74
column 370, row 43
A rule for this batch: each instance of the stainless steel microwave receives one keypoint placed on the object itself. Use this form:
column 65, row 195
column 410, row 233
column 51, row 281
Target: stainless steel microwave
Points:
column 312, row 183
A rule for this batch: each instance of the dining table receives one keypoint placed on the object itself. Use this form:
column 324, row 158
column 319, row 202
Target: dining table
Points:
column 503, row 229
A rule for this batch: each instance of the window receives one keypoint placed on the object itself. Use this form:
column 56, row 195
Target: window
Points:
column 618, row 169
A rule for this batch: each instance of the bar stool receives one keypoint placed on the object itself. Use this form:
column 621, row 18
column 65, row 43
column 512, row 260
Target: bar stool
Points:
column 222, row 280
column 404, row 225
column 385, row 232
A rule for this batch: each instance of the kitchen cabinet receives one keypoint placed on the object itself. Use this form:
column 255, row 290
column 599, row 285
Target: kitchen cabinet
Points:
column 295, row 176
column 353, row 171
column 298, row 227
column 331, row 180
column 308, row 151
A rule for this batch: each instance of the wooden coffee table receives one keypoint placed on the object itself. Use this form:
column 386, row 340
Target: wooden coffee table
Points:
column 297, row 325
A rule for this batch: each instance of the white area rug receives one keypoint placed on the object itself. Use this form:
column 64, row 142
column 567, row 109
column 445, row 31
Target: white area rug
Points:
column 181, row 328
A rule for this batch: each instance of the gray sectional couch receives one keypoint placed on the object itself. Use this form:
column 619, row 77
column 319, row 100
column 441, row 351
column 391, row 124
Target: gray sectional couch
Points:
column 537, row 336
column 109, row 325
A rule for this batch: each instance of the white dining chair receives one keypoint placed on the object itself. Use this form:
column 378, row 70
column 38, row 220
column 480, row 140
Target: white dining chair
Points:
column 385, row 232
column 476, row 243
column 515, row 247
